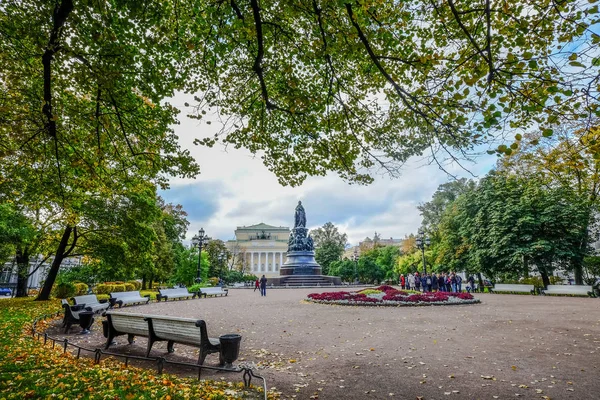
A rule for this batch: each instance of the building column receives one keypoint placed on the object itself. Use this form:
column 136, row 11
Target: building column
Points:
column 252, row 261
column 280, row 259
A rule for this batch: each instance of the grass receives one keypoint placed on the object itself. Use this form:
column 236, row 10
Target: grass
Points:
column 30, row 370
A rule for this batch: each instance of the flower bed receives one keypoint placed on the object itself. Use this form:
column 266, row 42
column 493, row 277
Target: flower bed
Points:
column 30, row 370
column 388, row 296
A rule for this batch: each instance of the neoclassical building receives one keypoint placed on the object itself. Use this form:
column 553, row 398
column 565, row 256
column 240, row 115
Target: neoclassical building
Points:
column 262, row 248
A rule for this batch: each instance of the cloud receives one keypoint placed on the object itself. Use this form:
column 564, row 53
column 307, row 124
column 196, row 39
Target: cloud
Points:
column 236, row 189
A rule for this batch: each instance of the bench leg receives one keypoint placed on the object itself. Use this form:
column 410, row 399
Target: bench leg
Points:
column 68, row 326
column 202, row 356
column 150, row 343
column 130, row 338
column 170, row 348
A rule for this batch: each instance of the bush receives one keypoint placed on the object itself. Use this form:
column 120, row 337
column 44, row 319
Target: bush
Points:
column 137, row 285
column 129, row 287
column 149, row 292
column 102, row 288
column 118, row 288
column 103, row 296
column 213, row 281
column 81, row 289
column 252, row 278
column 64, row 290
column 194, row 288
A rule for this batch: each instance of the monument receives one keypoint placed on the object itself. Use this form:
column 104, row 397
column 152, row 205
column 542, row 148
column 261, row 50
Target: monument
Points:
column 301, row 268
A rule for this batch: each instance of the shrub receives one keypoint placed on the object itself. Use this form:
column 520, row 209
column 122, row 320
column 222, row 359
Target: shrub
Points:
column 81, row 289
column 102, row 288
column 194, row 288
column 64, row 290
column 137, row 285
column 118, row 288
column 148, row 292
column 103, row 296
column 385, row 288
column 213, row 281
column 250, row 278
column 129, row 287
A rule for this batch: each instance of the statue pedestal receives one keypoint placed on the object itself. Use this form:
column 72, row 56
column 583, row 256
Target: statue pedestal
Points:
column 300, row 263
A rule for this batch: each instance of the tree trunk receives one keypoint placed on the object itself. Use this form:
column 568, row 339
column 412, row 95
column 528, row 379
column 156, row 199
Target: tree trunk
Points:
column 61, row 253
column 144, row 282
column 545, row 278
column 22, row 271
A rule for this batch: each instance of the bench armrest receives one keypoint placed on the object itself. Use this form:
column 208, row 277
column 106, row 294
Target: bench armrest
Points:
column 159, row 297
column 78, row 307
column 146, row 295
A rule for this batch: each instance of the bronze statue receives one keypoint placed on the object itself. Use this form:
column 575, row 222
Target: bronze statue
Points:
column 300, row 220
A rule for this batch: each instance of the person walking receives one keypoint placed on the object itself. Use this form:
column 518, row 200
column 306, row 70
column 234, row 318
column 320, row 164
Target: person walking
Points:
column 256, row 284
column 411, row 282
column 263, row 286
column 402, row 282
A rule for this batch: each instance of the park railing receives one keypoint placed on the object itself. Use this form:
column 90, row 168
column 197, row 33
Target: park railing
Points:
column 160, row 362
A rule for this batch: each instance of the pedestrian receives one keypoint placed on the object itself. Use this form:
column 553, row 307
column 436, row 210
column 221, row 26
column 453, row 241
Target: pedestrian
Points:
column 441, row 282
column 263, row 286
column 453, row 282
column 256, row 284
column 417, row 282
column 434, row 283
column 458, row 283
column 411, row 282
column 402, row 281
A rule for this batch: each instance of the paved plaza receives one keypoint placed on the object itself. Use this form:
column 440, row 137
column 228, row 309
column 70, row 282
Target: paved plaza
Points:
column 506, row 347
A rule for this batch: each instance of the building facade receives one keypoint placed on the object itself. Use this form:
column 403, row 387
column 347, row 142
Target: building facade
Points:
column 261, row 248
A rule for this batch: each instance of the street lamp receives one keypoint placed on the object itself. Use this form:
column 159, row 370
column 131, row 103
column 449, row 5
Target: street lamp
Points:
column 355, row 258
column 423, row 241
column 199, row 240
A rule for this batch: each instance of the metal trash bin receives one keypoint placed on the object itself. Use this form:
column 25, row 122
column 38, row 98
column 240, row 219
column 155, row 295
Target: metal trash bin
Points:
column 230, row 349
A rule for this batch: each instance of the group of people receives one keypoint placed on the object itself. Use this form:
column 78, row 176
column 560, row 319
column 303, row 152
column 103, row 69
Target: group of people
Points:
column 262, row 285
column 443, row 282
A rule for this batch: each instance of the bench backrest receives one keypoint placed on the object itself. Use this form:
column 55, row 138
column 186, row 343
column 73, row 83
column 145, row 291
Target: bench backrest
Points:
column 181, row 330
column 175, row 292
column 125, row 295
column 569, row 288
column 87, row 299
column 512, row 287
column 212, row 290
column 128, row 323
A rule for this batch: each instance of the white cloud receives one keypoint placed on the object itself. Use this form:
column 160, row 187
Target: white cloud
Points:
column 236, row 189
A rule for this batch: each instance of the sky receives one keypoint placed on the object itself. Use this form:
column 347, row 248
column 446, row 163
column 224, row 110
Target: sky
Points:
column 236, row 189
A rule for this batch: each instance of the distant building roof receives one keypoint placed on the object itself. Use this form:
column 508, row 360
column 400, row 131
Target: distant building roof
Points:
column 263, row 227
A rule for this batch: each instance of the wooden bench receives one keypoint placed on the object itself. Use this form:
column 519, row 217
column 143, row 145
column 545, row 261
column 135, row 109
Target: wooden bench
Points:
column 178, row 293
column 91, row 301
column 156, row 328
column 576, row 290
column 213, row 291
column 124, row 298
column 72, row 314
column 513, row 288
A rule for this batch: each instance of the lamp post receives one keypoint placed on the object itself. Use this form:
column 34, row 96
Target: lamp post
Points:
column 423, row 241
column 199, row 240
column 355, row 264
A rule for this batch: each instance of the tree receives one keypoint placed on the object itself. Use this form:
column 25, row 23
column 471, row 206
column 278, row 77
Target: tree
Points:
column 568, row 161
column 329, row 233
column 444, row 196
column 102, row 75
column 345, row 269
column 329, row 245
column 509, row 225
column 187, row 266
column 327, row 253
column 218, row 256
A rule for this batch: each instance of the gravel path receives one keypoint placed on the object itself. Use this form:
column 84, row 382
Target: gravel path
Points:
column 509, row 346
